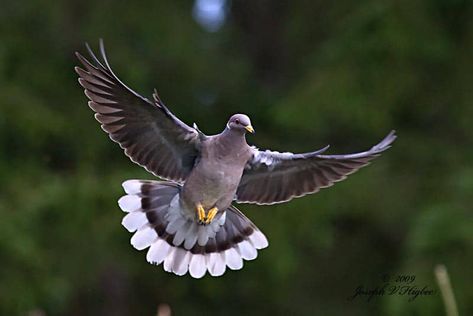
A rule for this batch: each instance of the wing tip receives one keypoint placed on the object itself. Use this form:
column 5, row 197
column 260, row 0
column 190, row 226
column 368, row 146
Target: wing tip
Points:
column 77, row 69
column 321, row 150
column 81, row 59
column 386, row 142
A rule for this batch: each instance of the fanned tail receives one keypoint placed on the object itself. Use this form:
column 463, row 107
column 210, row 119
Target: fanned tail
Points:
column 174, row 237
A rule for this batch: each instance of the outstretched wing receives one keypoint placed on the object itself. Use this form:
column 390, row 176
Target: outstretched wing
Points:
column 272, row 177
column 148, row 132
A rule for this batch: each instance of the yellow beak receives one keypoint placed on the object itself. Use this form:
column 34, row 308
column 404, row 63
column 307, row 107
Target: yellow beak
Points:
column 250, row 129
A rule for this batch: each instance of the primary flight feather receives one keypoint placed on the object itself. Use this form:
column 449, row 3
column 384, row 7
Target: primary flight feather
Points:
column 188, row 222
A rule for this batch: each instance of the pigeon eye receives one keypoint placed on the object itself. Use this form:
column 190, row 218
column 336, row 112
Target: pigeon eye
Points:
column 237, row 121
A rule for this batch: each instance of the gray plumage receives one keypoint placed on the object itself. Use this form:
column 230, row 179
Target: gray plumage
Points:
column 211, row 171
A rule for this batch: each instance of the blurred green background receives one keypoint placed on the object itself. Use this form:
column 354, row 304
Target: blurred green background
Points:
column 309, row 73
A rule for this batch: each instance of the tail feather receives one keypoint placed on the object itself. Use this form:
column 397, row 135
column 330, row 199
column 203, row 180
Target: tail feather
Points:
column 177, row 241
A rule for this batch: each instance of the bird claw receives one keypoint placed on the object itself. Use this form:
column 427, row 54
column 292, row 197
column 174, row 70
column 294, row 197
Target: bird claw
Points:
column 200, row 214
column 211, row 215
column 204, row 219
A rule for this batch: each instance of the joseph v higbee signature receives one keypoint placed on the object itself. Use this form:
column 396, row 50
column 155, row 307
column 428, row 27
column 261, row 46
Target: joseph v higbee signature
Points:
column 400, row 285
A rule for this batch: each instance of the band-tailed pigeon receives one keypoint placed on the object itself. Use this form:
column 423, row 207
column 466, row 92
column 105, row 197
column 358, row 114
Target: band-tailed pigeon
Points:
column 188, row 221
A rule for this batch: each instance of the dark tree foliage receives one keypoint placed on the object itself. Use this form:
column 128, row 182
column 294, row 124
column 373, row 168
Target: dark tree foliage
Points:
column 309, row 73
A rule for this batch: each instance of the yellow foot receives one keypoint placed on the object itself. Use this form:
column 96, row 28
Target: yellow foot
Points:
column 200, row 213
column 211, row 215
column 205, row 219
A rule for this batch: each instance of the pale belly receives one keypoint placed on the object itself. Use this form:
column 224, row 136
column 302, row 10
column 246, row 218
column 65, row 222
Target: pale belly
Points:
column 215, row 187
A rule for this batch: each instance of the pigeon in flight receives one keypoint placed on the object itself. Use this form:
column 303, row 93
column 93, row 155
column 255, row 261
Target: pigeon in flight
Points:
column 187, row 219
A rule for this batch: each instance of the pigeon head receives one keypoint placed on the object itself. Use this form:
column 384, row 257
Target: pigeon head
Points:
column 240, row 122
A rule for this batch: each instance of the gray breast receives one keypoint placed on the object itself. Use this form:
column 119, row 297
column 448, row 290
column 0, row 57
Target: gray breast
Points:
column 214, row 180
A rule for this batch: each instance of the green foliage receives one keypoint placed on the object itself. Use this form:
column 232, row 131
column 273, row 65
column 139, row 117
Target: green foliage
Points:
column 308, row 73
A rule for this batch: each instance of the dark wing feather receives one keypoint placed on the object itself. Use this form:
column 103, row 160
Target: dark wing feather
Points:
column 272, row 177
column 148, row 132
